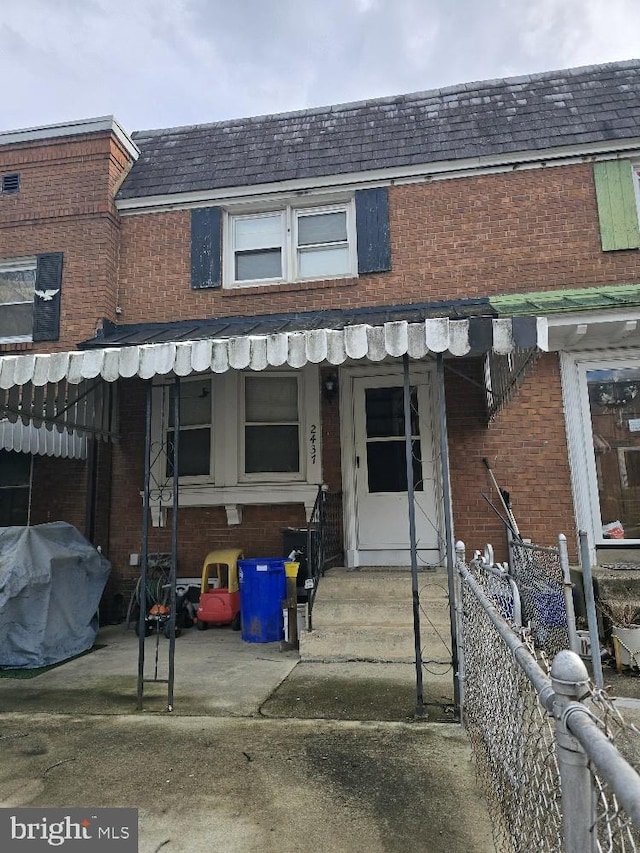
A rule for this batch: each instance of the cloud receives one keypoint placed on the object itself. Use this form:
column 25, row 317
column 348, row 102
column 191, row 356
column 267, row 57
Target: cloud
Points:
column 157, row 63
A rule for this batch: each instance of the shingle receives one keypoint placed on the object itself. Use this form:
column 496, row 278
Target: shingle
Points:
column 577, row 106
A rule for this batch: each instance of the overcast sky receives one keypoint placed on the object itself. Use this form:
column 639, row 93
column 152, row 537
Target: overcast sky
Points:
column 161, row 63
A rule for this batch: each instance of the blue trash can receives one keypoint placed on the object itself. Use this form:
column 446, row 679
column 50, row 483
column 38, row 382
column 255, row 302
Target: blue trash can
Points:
column 262, row 588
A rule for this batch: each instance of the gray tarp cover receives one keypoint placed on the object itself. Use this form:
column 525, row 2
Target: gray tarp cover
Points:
column 51, row 581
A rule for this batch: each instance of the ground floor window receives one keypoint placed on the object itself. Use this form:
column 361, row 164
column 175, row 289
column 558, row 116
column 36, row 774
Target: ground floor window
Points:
column 15, row 478
column 614, row 413
column 271, row 427
column 244, row 438
column 602, row 407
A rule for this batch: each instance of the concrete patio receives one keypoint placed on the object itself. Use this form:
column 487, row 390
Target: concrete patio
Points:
column 232, row 769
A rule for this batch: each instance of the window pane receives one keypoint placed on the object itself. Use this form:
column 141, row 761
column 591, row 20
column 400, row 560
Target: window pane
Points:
column 194, row 453
column 322, row 228
column 15, row 468
column 271, row 399
column 316, row 263
column 252, row 266
column 384, row 408
column 387, row 466
column 259, row 232
column 271, row 449
column 17, row 285
column 614, row 401
column 14, row 507
column 16, row 320
column 195, row 403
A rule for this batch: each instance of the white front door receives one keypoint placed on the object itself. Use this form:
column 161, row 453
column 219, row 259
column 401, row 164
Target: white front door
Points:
column 381, row 502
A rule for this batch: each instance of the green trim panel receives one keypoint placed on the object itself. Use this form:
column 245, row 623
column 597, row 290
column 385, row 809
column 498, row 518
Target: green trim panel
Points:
column 617, row 207
column 576, row 299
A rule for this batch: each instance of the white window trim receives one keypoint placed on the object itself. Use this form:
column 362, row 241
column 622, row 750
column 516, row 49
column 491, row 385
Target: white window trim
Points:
column 271, row 476
column 290, row 273
column 18, row 265
column 582, row 461
column 160, row 428
column 227, row 487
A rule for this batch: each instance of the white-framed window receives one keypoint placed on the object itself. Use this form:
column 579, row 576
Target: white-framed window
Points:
column 246, row 438
column 195, row 450
column 294, row 243
column 602, row 405
column 17, row 286
column 271, row 418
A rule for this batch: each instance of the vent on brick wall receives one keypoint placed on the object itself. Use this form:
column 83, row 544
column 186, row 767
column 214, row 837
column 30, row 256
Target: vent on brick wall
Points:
column 11, row 183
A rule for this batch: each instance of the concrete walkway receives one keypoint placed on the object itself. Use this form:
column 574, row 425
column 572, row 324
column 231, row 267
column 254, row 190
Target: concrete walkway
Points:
column 217, row 774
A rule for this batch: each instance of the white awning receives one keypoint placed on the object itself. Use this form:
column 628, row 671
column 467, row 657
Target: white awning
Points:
column 26, row 438
column 293, row 349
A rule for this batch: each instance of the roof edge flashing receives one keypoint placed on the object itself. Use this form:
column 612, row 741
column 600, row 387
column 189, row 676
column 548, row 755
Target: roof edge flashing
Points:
column 81, row 127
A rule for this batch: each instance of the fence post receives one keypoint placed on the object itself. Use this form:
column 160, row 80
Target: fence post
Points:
column 568, row 593
column 461, row 557
column 590, row 604
column 570, row 678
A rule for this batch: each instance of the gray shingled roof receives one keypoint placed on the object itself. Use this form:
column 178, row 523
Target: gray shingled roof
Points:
column 582, row 105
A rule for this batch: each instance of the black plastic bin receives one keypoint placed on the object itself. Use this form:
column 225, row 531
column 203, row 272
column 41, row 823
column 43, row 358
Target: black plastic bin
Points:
column 295, row 539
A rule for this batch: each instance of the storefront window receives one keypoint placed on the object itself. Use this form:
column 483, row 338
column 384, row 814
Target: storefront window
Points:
column 614, row 403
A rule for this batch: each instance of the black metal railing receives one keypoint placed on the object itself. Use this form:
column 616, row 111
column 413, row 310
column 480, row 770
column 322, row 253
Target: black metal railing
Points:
column 324, row 539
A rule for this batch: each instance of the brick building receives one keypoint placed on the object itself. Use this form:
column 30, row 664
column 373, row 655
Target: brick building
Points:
column 280, row 271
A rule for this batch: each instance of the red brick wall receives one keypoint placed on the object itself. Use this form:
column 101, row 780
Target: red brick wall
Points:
column 526, row 446
column 492, row 234
column 330, row 416
column 59, row 491
column 65, row 204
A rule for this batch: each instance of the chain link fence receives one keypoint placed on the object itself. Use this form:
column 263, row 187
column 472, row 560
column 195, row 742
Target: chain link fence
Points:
column 555, row 758
column 539, row 574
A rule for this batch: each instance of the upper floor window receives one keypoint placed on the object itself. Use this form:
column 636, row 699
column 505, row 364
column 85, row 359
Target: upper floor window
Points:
column 17, row 286
column 292, row 244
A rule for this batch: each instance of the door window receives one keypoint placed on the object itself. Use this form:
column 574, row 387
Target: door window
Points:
column 386, row 462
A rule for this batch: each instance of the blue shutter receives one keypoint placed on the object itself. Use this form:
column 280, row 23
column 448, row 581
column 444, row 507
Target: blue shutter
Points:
column 46, row 301
column 206, row 247
column 372, row 224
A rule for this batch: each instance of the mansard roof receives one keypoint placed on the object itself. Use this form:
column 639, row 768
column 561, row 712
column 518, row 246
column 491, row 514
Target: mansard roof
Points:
column 475, row 122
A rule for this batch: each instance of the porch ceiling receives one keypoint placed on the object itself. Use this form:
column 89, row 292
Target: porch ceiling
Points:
column 295, row 349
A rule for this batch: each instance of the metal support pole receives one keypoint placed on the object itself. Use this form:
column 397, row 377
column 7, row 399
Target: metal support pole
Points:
column 461, row 557
column 174, row 544
column 574, row 644
column 142, row 593
column 569, row 678
column 590, row 603
column 413, row 545
column 454, row 594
